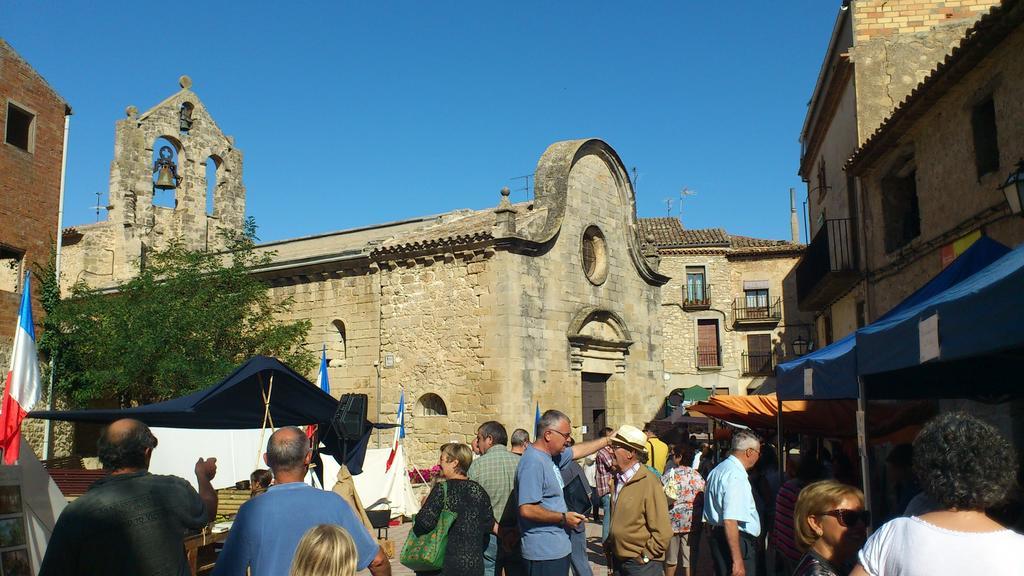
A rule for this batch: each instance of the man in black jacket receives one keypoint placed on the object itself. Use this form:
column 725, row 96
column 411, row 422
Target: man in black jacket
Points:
column 577, row 499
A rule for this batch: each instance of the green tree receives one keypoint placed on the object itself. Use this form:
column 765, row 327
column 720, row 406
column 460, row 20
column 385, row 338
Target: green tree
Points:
column 185, row 322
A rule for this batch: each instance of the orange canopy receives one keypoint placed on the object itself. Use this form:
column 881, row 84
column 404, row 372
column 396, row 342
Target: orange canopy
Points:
column 827, row 418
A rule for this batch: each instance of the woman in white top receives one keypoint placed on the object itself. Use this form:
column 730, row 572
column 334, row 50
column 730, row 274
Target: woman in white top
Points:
column 966, row 467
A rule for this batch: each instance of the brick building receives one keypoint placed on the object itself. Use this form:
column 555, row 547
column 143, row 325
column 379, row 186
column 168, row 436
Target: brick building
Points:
column 32, row 120
column 878, row 52
column 930, row 176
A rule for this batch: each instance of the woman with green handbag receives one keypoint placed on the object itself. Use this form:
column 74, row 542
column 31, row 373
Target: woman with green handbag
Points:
column 451, row 531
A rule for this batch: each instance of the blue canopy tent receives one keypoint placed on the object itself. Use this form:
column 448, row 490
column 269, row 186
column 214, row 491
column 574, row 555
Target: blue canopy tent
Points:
column 964, row 342
column 830, row 373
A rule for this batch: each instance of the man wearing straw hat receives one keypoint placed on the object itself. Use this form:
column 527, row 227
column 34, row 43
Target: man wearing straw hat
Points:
column 640, row 529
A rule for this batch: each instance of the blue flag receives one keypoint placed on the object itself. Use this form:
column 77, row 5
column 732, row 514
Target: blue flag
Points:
column 321, row 378
column 536, row 423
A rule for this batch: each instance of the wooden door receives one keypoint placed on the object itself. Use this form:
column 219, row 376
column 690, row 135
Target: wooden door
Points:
column 595, row 403
column 707, row 344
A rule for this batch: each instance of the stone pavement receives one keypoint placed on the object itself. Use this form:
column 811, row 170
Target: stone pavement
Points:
column 398, row 535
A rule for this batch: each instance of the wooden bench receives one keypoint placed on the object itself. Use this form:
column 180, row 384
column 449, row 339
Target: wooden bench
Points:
column 229, row 500
column 74, row 482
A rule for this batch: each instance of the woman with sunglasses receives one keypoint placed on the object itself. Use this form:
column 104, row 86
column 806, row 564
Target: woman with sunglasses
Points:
column 831, row 525
column 968, row 469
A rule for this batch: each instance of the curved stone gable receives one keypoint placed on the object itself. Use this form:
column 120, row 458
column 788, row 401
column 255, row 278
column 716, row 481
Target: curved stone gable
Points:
column 552, row 180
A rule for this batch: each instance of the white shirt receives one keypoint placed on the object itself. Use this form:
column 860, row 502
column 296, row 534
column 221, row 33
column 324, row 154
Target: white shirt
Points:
column 625, row 477
column 913, row 547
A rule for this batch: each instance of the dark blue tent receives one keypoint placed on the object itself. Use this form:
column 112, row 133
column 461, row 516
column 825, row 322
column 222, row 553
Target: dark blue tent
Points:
column 980, row 340
column 830, row 373
column 237, row 402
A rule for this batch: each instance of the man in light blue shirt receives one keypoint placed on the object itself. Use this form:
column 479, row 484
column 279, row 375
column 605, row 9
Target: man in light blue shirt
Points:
column 543, row 516
column 268, row 528
column 729, row 509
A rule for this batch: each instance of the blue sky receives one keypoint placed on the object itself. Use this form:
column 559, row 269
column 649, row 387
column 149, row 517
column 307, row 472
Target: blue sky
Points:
column 358, row 113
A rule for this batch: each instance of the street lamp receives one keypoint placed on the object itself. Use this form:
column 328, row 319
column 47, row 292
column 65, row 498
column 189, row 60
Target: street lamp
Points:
column 1013, row 188
column 800, row 346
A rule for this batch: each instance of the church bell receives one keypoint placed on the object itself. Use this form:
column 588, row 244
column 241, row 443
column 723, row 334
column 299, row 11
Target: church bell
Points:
column 164, row 180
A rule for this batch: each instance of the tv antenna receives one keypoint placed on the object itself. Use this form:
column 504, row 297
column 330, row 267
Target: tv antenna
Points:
column 99, row 206
column 668, row 206
column 526, row 184
column 683, row 195
column 636, row 178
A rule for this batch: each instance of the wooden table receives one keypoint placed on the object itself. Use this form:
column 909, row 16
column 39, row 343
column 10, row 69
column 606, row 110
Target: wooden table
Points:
column 202, row 544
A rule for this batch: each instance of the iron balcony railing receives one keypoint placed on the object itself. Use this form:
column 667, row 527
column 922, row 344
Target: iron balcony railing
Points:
column 696, row 296
column 744, row 310
column 708, row 357
column 758, row 363
column 829, row 266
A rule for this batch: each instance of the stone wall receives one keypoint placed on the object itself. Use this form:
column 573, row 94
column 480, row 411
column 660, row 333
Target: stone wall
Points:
column 545, row 299
column 953, row 200
column 433, row 319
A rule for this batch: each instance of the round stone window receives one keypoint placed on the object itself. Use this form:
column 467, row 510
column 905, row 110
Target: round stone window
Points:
column 595, row 255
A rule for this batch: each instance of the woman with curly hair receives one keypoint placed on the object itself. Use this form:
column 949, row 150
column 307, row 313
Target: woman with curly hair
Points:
column 966, row 467
column 830, row 524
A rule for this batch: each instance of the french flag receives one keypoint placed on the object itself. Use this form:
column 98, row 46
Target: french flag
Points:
column 22, row 389
column 399, row 432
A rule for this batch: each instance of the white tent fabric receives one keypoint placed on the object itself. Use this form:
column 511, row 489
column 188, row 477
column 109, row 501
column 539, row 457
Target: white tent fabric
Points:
column 238, row 453
column 379, row 488
column 42, row 501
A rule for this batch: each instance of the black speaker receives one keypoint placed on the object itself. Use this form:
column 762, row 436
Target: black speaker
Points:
column 349, row 416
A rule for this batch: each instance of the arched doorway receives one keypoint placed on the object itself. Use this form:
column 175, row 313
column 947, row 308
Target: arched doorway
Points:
column 598, row 345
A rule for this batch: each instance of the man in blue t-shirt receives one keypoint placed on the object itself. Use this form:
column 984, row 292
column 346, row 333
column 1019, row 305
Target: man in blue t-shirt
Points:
column 543, row 516
column 268, row 528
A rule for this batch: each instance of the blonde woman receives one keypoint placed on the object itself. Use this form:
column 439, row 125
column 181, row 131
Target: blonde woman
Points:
column 325, row 550
column 831, row 525
column 469, row 534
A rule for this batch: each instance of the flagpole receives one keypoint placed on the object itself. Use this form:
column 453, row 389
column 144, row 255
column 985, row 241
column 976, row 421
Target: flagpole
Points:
column 48, row 426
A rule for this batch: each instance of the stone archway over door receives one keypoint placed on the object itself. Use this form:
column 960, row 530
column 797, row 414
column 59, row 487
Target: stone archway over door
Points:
column 598, row 345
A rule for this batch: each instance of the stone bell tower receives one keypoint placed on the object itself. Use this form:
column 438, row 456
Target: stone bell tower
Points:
column 160, row 189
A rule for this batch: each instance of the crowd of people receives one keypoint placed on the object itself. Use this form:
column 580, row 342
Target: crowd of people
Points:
column 516, row 507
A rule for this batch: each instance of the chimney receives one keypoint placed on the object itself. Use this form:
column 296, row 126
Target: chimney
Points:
column 794, row 226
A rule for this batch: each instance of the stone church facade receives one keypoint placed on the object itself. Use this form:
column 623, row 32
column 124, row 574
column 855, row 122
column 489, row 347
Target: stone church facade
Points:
column 475, row 314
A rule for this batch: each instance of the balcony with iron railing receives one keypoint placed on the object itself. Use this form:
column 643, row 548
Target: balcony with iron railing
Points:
column 758, row 363
column 709, row 358
column 745, row 311
column 829, row 266
column 696, row 296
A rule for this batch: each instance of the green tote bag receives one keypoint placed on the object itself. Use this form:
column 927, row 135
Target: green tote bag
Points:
column 426, row 553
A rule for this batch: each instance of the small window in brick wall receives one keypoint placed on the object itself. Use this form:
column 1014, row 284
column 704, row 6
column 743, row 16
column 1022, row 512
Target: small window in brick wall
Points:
column 10, row 268
column 431, row 405
column 986, row 142
column 19, row 129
